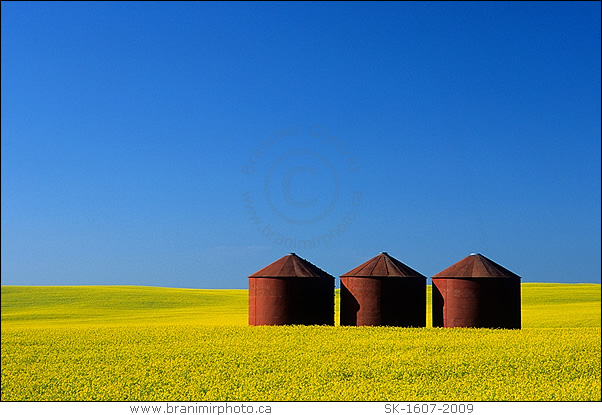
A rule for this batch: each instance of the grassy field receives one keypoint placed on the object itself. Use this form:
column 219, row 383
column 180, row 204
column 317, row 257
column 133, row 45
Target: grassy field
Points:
column 149, row 344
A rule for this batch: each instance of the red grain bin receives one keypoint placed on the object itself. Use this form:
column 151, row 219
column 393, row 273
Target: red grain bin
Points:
column 476, row 292
column 383, row 292
column 291, row 291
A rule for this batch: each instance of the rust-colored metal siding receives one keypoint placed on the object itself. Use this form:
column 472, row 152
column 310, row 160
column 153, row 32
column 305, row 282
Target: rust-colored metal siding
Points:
column 477, row 302
column 383, row 292
column 291, row 290
column 383, row 301
column 252, row 302
column 286, row 300
column 489, row 297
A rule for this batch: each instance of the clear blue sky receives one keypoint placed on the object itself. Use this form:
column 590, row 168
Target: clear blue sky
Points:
column 191, row 144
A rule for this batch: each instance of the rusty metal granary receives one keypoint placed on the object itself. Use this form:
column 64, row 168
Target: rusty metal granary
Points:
column 383, row 292
column 476, row 292
column 291, row 291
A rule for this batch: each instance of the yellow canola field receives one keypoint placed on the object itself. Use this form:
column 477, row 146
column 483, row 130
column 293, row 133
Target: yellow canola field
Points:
column 70, row 355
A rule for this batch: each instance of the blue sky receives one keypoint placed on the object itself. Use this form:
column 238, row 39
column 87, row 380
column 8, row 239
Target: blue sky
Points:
column 191, row 144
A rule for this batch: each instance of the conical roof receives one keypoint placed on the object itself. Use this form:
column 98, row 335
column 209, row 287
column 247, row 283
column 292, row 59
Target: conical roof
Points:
column 475, row 266
column 291, row 266
column 383, row 265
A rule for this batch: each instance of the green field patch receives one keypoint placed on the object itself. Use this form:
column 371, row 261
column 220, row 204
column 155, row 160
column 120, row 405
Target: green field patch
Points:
column 40, row 306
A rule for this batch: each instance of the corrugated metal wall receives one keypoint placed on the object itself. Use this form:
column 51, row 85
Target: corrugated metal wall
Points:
column 383, row 301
